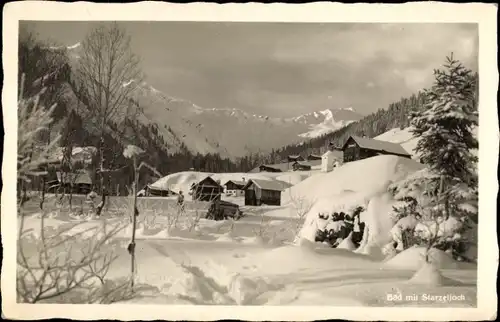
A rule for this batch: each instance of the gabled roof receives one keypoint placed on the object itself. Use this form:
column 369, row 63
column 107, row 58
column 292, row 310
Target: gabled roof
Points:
column 378, row 145
column 208, row 181
column 274, row 185
column 236, row 182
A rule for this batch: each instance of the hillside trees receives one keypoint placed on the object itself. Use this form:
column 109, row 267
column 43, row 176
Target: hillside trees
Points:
column 104, row 72
column 396, row 115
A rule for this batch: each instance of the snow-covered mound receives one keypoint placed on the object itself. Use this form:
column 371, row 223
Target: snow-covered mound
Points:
column 378, row 218
column 360, row 183
column 414, row 257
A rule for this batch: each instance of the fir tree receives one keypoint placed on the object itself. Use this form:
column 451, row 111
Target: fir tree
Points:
column 444, row 126
column 447, row 188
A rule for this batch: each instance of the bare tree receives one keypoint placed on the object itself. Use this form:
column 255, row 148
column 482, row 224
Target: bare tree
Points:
column 55, row 270
column 59, row 272
column 106, row 69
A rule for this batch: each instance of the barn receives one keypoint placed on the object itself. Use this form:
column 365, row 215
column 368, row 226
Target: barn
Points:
column 268, row 192
column 207, row 190
column 358, row 148
column 234, row 187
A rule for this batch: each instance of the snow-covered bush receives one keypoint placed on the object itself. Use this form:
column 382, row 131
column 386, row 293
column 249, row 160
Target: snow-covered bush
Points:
column 341, row 229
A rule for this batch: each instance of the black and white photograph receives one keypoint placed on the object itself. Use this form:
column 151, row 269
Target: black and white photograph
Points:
column 248, row 163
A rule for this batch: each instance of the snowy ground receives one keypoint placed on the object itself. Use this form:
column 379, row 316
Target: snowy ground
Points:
column 249, row 266
column 258, row 260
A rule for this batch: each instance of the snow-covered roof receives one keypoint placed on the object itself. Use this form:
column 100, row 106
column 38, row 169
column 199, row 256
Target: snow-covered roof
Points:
column 379, row 145
column 274, row 185
column 207, row 182
column 236, row 182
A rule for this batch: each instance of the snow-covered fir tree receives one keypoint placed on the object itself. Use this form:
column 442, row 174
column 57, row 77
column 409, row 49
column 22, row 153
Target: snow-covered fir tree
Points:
column 446, row 191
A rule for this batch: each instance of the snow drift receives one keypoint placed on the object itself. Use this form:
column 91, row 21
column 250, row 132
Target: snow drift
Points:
column 413, row 258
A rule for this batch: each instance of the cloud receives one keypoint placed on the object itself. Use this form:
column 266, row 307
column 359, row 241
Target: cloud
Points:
column 284, row 69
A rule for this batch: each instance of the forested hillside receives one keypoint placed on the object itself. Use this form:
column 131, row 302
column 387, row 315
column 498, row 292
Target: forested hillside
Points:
column 43, row 69
column 396, row 115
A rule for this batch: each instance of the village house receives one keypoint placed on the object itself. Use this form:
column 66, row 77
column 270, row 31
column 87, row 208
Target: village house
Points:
column 235, row 187
column 207, row 190
column 267, row 192
column 277, row 167
column 358, row 148
column 331, row 159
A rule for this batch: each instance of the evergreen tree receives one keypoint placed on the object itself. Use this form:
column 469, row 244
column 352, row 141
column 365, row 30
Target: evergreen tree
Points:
column 447, row 189
column 444, row 126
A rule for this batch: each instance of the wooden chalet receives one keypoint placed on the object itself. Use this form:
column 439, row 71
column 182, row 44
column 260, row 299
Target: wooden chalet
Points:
column 207, row 190
column 234, row 185
column 277, row 167
column 358, row 148
column 268, row 192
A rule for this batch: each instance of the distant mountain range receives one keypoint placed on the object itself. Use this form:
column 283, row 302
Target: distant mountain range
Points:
column 229, row 132
column 234, row 132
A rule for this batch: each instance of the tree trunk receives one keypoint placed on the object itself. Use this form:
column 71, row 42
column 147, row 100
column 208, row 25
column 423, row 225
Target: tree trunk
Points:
column 42, row 198
column 444, row 197
column 134, row 220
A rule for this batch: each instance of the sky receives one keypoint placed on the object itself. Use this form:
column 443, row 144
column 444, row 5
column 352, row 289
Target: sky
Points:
column 286, row 69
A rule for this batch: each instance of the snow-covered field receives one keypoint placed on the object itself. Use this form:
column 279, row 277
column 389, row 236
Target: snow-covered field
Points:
column 258, row 260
